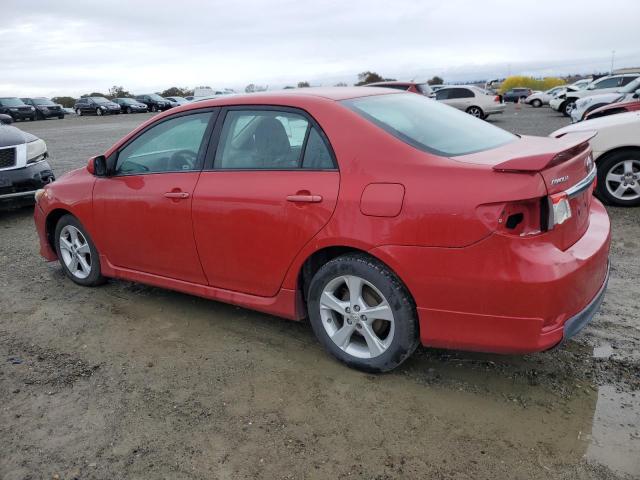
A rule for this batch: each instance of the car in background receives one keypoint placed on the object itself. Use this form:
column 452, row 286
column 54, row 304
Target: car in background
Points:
column 154, row 102
column 613, row 109
column 45, row 108
column 542, row 98
column 473, row 100
column 584, row 105
column 17, row 109
column 96, row 106
column 435, row 88
column 616, row 151
column 415, row 87
column 606, row 84
column 516, row 94
column 130, row 105
column 560, row 96
column 582, row 83
column 23, row 166
column 360, row 233
column 177, row 101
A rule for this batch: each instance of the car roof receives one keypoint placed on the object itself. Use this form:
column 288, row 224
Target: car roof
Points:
column 329, row 93
column 392, row 82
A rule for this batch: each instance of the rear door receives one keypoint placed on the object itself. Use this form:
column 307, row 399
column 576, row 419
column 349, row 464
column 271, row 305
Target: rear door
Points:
column 268, row 189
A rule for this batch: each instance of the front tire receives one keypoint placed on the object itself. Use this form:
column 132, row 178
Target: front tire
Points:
column 78, row 112
column 362, row 314
column 567, row 106
column 536, row 103
column 129, row 110
column 98, row 112
column 475, row 111
column 77, row 253
column 154, row 108
column 619, row 178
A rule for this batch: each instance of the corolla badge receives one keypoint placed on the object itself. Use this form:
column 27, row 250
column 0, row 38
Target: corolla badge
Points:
column 556, row 181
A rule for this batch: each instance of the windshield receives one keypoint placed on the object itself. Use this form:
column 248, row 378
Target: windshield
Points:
column 99, row 99
column 155, row 96
column 429, row 125
column 631, row 87
column 42, row 101
column 12, row 102
column 128, row 101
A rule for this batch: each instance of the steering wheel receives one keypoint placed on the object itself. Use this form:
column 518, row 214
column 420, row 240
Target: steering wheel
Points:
column 183, row 160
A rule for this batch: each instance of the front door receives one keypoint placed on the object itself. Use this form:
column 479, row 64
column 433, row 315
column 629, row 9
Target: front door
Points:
column 144, row 209
column 272, row 186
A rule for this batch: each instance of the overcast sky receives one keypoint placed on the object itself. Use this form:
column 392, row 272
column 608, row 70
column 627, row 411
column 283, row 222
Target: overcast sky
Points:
column 58, row 47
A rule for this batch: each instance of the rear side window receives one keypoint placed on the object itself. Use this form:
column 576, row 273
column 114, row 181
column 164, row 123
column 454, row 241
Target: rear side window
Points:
column 460, row 93
column 270, row 140
column 428, row 125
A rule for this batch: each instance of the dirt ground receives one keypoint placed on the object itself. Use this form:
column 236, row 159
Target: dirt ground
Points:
column 133, row 382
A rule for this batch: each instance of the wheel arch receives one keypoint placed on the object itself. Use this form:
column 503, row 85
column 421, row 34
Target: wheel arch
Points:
column 615, row 150
column 51, row 221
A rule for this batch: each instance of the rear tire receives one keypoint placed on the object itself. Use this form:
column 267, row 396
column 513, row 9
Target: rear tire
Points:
column 129, row 110
column 613, row 172
column 567, row 106
column 362, row 314
column 77, row 253
column 475, row 111
column 78, row 112
column 98, row 112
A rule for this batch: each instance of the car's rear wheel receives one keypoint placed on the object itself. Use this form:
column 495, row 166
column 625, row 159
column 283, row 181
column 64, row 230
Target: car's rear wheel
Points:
column 362, row 314
column 154, row 108
column 537, row 103
column 475, row 111
column 77, row 253
column 619, row 178
column 129, row 110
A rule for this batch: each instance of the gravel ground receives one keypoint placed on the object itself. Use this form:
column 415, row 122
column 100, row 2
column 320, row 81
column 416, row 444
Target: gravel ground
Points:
column 129, row 381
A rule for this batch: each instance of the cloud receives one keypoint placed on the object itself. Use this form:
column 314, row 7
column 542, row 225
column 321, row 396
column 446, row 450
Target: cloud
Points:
column 64, row 47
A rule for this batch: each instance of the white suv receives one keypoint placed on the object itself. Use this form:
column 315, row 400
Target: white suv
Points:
column 608, row 84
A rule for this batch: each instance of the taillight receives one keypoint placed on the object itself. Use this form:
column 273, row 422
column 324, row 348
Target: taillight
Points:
column 560, row 209
column 497, row 99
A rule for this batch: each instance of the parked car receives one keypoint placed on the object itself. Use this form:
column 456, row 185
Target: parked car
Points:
column 579, row 84
column 542, row 98
column 130, row 105
column 414, row 87
column 608, row 84
column 516, row 94
column 613, row 108
column 263, row 201
column 96, row 105
column 17, row 109
column 472, row 100
column 23, row 165
column 45, row 108
column 584, row 105
column 154, row 102
column 616, row 151
column 177, row 101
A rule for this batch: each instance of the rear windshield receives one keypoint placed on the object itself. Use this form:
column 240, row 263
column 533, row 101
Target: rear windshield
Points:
column 429, row 125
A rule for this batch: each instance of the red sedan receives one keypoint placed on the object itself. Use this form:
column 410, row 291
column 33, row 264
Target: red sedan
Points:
column 386, row 218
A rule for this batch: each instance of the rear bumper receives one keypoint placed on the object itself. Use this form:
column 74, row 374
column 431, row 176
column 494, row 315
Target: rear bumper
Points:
column 497, row 108
column 505, row 295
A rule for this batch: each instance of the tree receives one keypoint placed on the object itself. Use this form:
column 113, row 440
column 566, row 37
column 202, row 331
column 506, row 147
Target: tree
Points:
column 303, row 84
column 367, row 77
column 118, row 92
column 250, row 88
column 176, row 92
column 436, row 80
column 66, row 102
column 340, row 84
column 93, row 94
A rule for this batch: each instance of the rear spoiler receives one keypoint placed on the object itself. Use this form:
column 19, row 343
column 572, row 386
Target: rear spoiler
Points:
column 570, row 145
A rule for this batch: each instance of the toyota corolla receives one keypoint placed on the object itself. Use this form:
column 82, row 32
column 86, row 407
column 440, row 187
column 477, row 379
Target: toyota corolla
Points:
column 386, row 218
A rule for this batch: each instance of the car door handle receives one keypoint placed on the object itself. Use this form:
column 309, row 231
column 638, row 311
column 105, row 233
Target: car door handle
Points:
column 304, row 198
column 177, row 195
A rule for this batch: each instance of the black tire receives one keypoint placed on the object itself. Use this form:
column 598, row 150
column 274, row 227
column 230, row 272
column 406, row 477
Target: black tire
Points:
column 608, row 164
column 78, row 112
column 60, row 117
column 39, row 116
column 536, row 103
column 154, row 108
column 129, row 110
column 98, row 112
column 475, row 111
column 406, row 333
column 567, row 106
column 95, row 277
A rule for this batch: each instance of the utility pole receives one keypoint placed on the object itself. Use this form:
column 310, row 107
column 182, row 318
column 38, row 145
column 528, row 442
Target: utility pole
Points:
column 613, row 54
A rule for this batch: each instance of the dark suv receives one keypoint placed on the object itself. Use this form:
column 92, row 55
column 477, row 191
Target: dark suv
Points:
column 516, row 94
column 154, row 102
column 96, row 105
column 17, row 108
column 45, row 108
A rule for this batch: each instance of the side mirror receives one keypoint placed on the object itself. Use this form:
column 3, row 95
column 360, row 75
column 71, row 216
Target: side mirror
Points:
column 5, row 119
column 97, row 166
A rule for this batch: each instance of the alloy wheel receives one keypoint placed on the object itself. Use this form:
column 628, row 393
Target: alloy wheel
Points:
column 623, row 180
column 98, row 111
column 75, row 251
column 475, row 111
column 356, row 316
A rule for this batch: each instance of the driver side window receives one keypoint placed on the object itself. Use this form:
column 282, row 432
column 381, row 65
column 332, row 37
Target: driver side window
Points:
column 171, row 146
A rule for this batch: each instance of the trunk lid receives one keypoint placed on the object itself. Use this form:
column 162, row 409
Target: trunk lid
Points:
column 565, row 166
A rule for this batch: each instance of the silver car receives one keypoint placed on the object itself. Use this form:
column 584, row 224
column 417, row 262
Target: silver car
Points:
column 473, row 100
column 539, row 99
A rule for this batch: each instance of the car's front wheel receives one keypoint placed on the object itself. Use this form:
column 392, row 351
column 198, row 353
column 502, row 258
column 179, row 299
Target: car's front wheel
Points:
column 129, row 110
column 567, row 106
column 619, row 178
column 77, row 253
column 78, row 112
column 476, row 112
column 98, row 111
column 536, row 103
column 362, row 314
